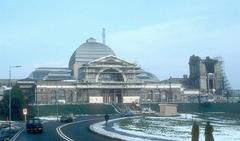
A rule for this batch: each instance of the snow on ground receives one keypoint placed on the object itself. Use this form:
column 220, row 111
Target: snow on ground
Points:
column 14, row 124
column 49, row 117
column 179, row 128
column 169, row 136
column 99, row 128
column 55, row 117
column 15, row 127
column 135, row 132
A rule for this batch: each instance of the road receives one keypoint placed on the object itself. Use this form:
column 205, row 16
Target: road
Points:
column 76, row 131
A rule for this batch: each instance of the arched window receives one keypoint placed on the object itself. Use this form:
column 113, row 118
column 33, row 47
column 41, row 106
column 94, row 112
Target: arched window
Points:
column 110, row 75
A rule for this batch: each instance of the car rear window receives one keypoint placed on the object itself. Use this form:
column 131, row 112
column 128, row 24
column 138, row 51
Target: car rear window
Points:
column 30, row 121
column 37, row 121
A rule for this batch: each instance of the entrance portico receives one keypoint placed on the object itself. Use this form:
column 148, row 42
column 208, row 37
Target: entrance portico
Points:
column 112, row 95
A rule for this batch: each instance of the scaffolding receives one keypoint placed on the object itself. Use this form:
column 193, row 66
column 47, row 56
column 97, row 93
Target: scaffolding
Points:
column 226, row 87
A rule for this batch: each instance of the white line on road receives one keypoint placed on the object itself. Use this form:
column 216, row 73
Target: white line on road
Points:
column 20, row 132
column 16, row 135
column 61, row 134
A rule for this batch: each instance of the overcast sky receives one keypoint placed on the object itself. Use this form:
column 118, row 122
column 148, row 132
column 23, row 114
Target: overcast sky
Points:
column 158, row 35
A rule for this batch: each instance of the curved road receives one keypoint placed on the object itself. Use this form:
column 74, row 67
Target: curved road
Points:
column 76, row 131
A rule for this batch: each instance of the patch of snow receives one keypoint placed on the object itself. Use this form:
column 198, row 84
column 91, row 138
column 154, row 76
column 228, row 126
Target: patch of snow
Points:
column 48, row 118
column 99, row 128
column 135, row 132
column 179, row 128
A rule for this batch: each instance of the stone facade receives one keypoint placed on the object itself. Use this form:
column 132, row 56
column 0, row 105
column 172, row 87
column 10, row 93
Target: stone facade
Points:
column 96, row 75
column 206, row 74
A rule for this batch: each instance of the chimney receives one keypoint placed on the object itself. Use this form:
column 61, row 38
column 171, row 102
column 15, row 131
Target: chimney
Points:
column 103, row 36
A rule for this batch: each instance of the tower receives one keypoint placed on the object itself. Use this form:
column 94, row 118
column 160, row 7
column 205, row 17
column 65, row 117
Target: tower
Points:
column 206, row 74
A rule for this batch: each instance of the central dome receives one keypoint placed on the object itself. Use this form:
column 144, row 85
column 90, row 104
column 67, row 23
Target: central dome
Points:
column 88, row 51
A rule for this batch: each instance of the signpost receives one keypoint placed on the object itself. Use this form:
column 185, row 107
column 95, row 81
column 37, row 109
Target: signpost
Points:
column 25, row 114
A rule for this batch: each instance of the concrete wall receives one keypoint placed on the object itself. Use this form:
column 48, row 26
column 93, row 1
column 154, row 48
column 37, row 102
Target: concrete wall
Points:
column 168, row 109
column 207, row 107
column 51, row 110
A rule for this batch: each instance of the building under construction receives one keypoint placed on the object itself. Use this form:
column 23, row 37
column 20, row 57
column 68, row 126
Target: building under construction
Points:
column 208, row 75
column 96, row 75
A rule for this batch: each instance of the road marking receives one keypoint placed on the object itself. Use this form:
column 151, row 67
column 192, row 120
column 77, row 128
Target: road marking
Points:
column 20, row 132
column 16, row 135
column 115, row 109
column 61, row 134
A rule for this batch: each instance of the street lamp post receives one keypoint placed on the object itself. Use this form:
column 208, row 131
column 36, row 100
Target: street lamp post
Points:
column 10, row 95
column 170, row 98
column 56, row 96
column 36, row 98
column 57, row 107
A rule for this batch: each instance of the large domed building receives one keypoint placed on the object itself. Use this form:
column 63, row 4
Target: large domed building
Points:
column 89, row 51
column 96, row 75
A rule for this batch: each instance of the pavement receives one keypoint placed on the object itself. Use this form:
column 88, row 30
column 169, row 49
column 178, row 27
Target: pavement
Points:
column 6, row 133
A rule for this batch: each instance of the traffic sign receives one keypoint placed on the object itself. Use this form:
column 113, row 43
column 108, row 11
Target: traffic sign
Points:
column 25, row 111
